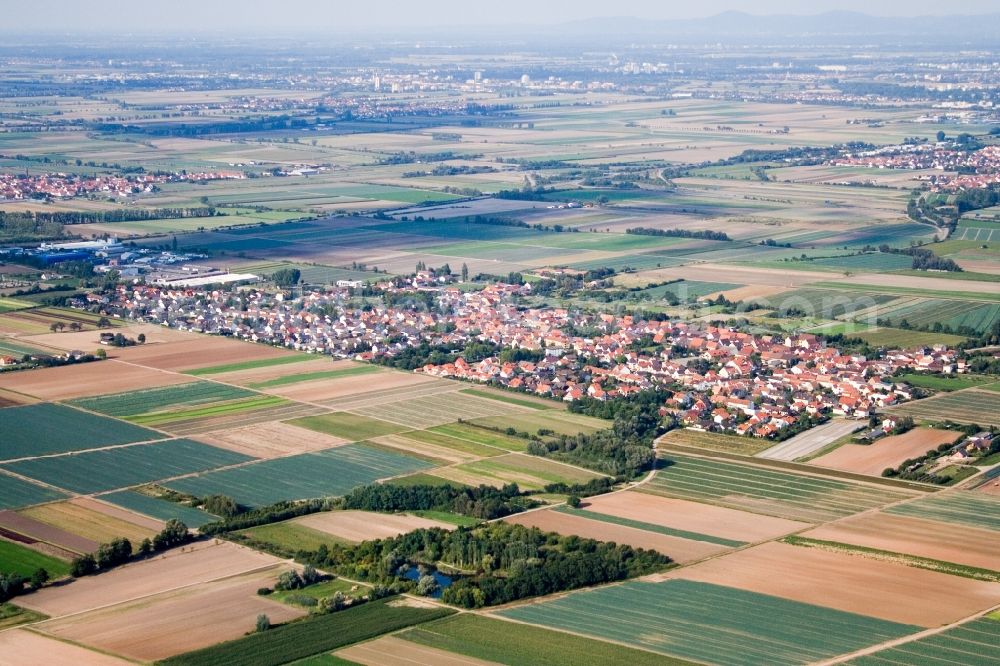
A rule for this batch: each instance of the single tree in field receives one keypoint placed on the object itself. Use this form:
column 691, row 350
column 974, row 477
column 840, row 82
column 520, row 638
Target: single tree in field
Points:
column 39, row 578
column 263, row 623
column 465, row 273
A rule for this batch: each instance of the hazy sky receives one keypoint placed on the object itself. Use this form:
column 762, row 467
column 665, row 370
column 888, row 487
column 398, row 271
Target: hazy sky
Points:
column 331, row 15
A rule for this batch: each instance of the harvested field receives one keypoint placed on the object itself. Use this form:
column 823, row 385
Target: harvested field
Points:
column 291, row 536
column 200, row 563
column 30, row 525
column 562, row 423
column 811, row 440
column 727, row 273
column 253, row 411
column 453, row 444
column 692, row 516
column 156, row 336
column 431, row 411
column 360, row 526
column 139, row 505
column 174, row 622
column 968, row 406
column 87, row 379
column 886, row 452
column 321, row 474
column 960, row 544
column 442, row 454
column 271, row 372
column 21, row 647
column 118, row 512
column 678, row 549
column 356, row 388
column 710, row 623
column 255, row 363
column 960, row 507
column 203, row 351
column 529, row 472
column 847, row 583
column 91, row 525
column 271, row 440
column 45, row 428
column 123, row 466
column 768, row 491
column 393, row 651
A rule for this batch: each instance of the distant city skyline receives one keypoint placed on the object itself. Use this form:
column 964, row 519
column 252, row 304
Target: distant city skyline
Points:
column 315, row 15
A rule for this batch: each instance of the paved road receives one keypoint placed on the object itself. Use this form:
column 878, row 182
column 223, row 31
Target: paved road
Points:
column 811, row 440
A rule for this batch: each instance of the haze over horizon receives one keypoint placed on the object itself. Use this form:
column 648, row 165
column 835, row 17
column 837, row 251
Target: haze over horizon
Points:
column 311, row 16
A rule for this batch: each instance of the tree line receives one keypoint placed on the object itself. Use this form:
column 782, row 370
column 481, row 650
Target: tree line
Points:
column 705, row 234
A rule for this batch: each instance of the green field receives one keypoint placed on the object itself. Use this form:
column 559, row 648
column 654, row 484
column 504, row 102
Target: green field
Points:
column 16, row 493
column 311, row 636
column 453, row 443
column 322, row 474
column 313, row 376
column 712, row 441
column 510, row 399
column 899, row 339
column 487, row 638
column 291, row 537
column 46, row 428
column 968, row 406
column 12, row 616
column 948, row 382
column 975, row 643
column 961, row 507
column 159, row 508
column 134, row 403
column 871, row 261
column 110, row 469
column 767, row 491
column 686, row 290
column 317, row 591
column 711, row 623
column 248, row 365
column 979, row 317
column 253, row 403
column 480, row 436
column 649, row 527
column 15, row 558
column 432, row 410
column 348, row 426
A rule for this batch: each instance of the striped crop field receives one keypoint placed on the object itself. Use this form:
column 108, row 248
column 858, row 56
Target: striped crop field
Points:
column 430, row 411
column 962, row 507
column 969, row 406
column 975, row 643
column 649, row 527
column 321, row 474
column 120, row 467
column 45, row 428
column 711, row 623
column 767, row 491
column 16, row 493
column 158, row 508
column 161, row 399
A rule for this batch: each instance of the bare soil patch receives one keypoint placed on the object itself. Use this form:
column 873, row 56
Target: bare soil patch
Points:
column 948, row 542
column 360, row 526
column 330, row 389
column 271, row 440
column 89, row 340
column 200, row 351
column 739, row 274
column 846, row 582
column 189, row 565
column 885, row 452
column 21, row 647
column 244, row 377
column 407, row 445
column 691, row 516
column 680, row 550
column 393, row 651
column 175, row 622
column 87, row 379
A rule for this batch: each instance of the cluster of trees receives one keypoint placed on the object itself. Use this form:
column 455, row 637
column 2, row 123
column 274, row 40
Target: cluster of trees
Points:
column 449, row 170
column 704, row 234
column 264, row 516
column 923, row 259
column 119, row 551
column 412, row 358
column 20, row 228
column 113, row 215
column 509, row 562
column 286, row 277
column 485, row 502
column 13, row 584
